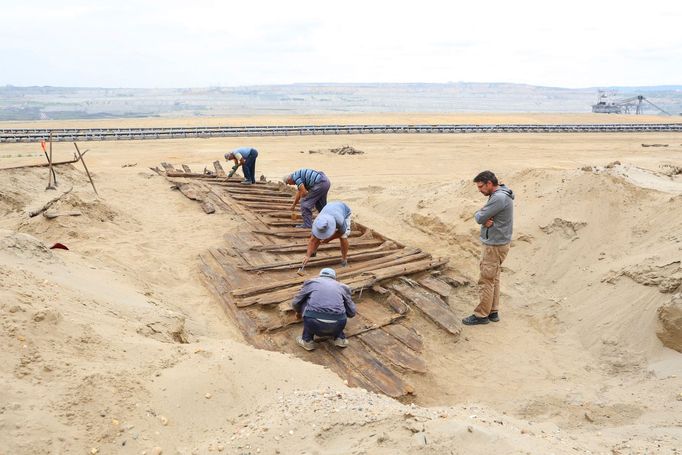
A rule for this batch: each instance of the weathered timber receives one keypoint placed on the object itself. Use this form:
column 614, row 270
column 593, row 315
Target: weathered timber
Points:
column 322, row 261
column 431, row 305
column 50, row 214
column 356, row 284
column 436, row 285
column 375, row 371
column 190, row 191
column 58, row 163
column 396, row 303
column 186, row 169
column 391, row 259
column 302, row 247
column 393, row 350
column 408, row 336
column 48, row 204
column 207, row 207
column 219, row 171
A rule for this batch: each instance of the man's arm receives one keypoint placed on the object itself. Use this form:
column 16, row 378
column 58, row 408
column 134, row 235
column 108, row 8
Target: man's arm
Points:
column 313, row 245
column 348, row 301
column 301, row 298
column 299, row 194
column 494, row 206
column 234, row 168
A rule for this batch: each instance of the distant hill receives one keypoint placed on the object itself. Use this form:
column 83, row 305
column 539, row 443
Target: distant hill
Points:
column 35, row 103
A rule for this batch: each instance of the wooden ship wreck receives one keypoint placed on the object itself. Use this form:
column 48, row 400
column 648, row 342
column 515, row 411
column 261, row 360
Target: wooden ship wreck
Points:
column 253, row 274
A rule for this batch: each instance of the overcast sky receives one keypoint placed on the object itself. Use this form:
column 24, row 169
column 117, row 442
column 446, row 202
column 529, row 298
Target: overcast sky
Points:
column 173, row 43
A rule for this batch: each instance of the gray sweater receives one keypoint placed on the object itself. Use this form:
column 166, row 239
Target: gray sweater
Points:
column 500, row 207
column 324, row 298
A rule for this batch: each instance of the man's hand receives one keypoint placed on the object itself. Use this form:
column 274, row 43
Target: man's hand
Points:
column 305, row 260
column 488, row 223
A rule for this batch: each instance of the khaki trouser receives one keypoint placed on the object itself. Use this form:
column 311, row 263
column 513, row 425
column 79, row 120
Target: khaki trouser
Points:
column 492, row 257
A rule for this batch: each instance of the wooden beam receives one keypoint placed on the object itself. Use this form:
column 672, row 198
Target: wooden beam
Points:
column 393, row 350
column 431, row 305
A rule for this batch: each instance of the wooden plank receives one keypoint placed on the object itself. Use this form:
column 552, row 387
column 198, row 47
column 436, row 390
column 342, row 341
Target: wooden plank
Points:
column 356, row 284
column 431, row 305
column 396, row 303
column 219, row 171
column 438, row 286
column 406, row 335
column 207, row 207
column 393, row 258
column 302, row 247
column 190, row 191
column 393, row 350
column 359, row 256
column 186, row 169
column 375, row 371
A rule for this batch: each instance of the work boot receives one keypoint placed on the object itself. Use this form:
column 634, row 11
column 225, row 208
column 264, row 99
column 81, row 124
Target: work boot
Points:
column 341, row 342
column 344, row 263
column 494, row 316
column 475, row 320
column 307, row 345
column 246, row 182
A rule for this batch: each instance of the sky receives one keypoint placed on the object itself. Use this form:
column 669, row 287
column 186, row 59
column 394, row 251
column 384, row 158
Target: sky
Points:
column 202, row 43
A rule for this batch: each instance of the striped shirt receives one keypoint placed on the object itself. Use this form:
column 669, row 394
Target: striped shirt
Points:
column 307, row 177
column 242, row 152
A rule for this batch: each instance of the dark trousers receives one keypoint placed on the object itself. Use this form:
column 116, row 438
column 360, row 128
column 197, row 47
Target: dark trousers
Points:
column 312, row 326
column 250, row 166
column 316, row 197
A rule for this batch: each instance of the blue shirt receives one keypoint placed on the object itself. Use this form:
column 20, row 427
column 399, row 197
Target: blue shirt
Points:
column 245, row 152
column 307, row 177
column 324, row 298
column 340, row 212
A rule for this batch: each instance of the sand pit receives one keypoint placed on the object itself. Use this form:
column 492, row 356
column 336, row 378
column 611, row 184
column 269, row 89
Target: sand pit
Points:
column 117, row 346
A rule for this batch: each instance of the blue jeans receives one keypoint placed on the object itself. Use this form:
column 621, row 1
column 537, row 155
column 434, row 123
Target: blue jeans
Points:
column 312, row 327
column 316, row 197
column 250, row 166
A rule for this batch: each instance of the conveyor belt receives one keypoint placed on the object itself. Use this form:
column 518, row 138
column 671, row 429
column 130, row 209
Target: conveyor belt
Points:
column 126, row 134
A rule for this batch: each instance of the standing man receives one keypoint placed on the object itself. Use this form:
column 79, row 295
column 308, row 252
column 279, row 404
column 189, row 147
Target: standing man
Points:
column 496, row 219
column 333, row 222
column 325, row 304
column 313, row 187
column 245, row 157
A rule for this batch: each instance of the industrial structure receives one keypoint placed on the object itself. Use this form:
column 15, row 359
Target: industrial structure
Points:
column 634, row 104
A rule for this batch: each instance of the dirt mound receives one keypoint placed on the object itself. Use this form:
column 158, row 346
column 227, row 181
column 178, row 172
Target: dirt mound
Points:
column 24, row 246
column 670, row 323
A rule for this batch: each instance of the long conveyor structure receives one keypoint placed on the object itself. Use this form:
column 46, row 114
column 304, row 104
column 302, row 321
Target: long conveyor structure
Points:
column 124, row 134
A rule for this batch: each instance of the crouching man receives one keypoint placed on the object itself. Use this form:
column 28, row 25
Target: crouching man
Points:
column 324, row 304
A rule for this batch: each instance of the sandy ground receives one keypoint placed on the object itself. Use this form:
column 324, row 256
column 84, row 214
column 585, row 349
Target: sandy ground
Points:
column 115, row 346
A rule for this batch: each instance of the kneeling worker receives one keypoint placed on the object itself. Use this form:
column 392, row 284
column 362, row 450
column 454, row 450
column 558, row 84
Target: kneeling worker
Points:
column 325, row 305
column 313, row 187
column 245, row 157
column 333, row 222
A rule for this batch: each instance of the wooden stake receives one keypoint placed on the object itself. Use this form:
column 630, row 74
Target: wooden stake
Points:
column 80, row 155
column 50, row 184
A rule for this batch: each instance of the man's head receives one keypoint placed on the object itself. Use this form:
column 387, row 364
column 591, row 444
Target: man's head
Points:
column 229, row 156
column 328, row 273
column 288, row 180
column 486, row 182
